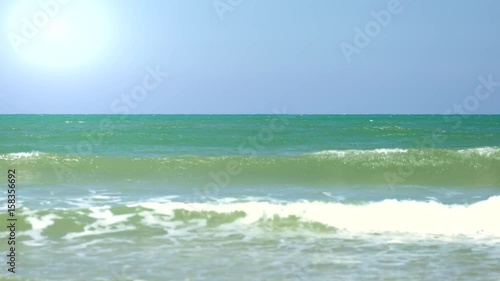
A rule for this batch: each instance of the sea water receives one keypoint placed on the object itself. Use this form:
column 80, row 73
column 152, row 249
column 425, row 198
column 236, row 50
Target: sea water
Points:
column 253, row 197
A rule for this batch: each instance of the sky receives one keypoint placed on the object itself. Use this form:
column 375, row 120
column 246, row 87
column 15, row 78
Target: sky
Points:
column 249, row 57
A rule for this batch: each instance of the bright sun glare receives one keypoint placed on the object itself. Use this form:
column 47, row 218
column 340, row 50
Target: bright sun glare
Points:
column 56, row 29
column 59, row 33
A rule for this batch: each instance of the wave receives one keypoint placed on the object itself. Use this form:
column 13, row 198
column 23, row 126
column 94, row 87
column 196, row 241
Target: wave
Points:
column 343, row 153
column 177, row 219
column 432, row 167
column 13, row 156
column 483, row 151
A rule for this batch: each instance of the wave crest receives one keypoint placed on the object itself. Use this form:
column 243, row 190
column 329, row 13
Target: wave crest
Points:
column 408, row 218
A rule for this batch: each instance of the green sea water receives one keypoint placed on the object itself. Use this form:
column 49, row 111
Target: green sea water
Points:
column 254, row 197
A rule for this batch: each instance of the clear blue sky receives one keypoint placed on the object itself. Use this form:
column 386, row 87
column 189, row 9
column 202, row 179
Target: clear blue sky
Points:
column 248, row 57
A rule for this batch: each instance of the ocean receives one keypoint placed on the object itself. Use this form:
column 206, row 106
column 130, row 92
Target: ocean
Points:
column 252, row 197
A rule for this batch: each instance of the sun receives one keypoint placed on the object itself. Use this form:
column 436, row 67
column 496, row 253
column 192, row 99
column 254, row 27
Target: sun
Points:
column 56, row 29
column 59, row 34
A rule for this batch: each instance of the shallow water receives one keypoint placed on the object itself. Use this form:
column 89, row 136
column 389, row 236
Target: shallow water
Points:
column 254, row 197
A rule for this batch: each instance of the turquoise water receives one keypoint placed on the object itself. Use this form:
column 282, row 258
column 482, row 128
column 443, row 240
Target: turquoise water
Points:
column 254, row 197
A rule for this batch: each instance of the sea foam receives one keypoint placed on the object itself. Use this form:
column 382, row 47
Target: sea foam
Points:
column 387, row 216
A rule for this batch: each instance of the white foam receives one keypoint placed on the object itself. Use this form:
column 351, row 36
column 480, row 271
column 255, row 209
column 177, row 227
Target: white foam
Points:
column 70, row 122
column 336, row 198
column 106, row 222
column 343, row 153
column 38, row 225
column 390, row 150
column 482, row 151
column 101, row 197
column 19, row 155
column 339, row 153
column 388, row 216
column 97, row 198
